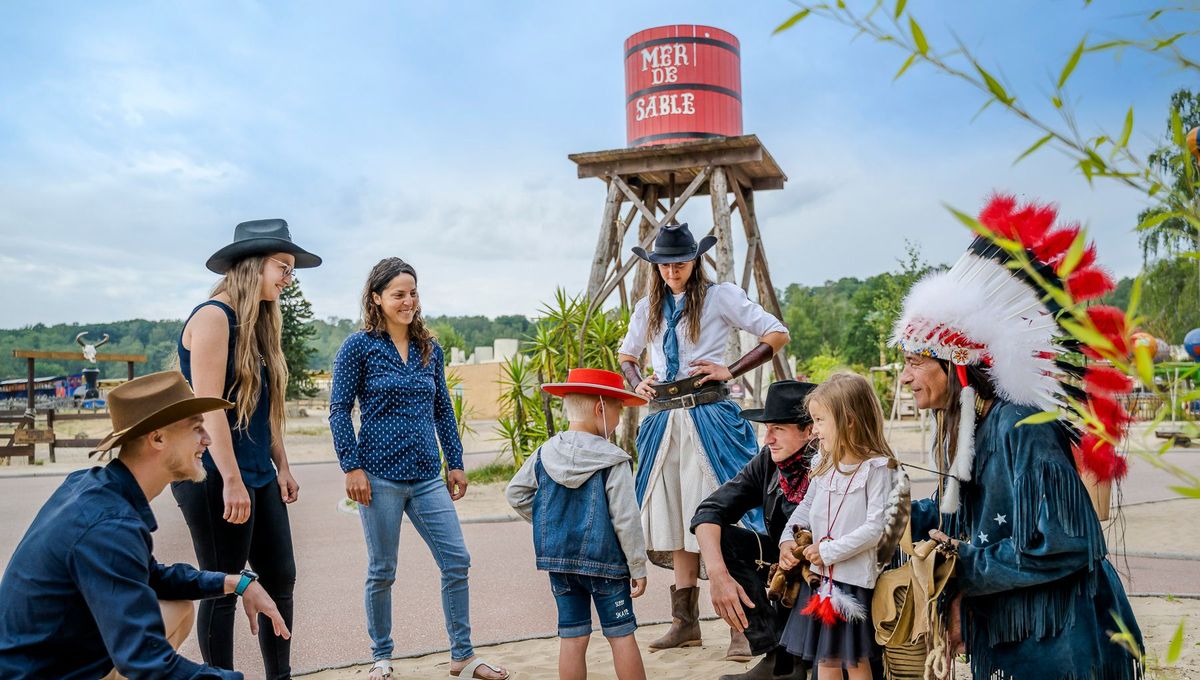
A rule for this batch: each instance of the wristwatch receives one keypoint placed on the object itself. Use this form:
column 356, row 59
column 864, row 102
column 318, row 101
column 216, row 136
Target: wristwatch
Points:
column 248, row 577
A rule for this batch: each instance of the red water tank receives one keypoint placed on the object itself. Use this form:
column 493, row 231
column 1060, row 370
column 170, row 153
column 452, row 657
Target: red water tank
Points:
column 682, row 83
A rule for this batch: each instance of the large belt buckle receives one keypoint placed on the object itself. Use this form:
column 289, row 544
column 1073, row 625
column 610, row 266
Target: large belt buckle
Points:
column 688, row 400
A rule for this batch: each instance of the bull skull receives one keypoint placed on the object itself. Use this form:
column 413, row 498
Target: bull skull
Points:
column 89, row 351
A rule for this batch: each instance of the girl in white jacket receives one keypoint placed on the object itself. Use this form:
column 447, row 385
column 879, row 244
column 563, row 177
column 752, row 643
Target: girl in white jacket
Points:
column 844, row 508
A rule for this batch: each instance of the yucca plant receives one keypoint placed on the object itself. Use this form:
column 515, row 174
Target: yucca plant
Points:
column 528, row 415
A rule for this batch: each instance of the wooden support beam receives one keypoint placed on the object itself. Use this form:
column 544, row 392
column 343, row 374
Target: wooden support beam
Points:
column 762, row 276
column 603, row 247
column 597, row 300
column 719, row 192
column 647, row 229
column 665, row 162
column 76, row 356
column 29, row 381
column 632, row 196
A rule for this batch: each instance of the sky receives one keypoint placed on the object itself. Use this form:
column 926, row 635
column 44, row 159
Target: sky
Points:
column 135, row 135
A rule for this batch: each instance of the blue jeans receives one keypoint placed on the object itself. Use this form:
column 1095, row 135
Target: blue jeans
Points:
column 574, row 594
column 431, row 511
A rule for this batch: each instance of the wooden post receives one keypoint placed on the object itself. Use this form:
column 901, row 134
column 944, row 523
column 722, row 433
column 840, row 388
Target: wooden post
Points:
column 50, row 426
column 29, row 405
column 646, row 229
column 718, row 190
column 129, row 364
column 608, row 224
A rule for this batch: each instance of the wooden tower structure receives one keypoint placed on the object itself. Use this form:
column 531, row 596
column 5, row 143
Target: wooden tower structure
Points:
column 649, row 186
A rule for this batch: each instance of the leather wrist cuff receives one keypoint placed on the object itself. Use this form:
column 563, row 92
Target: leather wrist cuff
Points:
column 633, row 375
column 753, row 359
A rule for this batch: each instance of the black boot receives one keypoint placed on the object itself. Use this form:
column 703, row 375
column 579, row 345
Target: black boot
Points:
column 763, row 670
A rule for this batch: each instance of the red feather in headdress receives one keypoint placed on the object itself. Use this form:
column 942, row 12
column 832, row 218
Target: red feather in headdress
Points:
column 1106, row 380
column 1056, row 244
column 1100, row 458
column 1089, row 283
column 1110, row 322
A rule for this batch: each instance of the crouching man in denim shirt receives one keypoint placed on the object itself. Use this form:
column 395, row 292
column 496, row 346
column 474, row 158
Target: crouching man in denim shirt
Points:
column 80, row 599
column 578, row 491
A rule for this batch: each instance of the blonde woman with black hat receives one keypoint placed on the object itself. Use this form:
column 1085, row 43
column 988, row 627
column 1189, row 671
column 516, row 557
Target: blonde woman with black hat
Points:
column 694, row 439
column 231, row 348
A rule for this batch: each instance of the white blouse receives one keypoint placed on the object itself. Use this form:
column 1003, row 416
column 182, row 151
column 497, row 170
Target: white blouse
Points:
column 859, row 525
column 725, row 307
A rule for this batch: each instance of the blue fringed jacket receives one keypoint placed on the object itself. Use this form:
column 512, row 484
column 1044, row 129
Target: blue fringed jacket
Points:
column 1039, row 597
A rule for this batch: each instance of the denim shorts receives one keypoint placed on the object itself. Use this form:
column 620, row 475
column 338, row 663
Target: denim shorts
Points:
column 574, row 595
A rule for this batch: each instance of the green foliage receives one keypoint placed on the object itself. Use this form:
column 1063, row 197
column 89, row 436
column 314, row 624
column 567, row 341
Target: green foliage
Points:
column 1165, row 229
column 850, row 318
column 564, row 336
column 492, row 473
column 156, row 339
column 1170, row 292
column 819, row 368
column 296, row 338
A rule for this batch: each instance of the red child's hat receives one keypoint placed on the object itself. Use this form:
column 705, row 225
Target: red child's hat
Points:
column 595, row 381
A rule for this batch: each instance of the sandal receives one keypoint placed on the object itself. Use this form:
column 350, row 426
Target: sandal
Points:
column 385, row 670
column 469, row 671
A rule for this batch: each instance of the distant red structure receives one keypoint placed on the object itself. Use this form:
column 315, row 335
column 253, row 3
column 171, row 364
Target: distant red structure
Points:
column 682, row 83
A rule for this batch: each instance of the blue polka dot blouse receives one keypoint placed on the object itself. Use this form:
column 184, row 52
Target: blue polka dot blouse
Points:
column 402, row 405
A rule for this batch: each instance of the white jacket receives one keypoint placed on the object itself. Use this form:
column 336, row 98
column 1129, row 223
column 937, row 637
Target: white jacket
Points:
column 859, row 526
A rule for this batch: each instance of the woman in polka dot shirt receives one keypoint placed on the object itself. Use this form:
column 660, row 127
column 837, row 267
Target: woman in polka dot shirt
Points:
column 394, row 369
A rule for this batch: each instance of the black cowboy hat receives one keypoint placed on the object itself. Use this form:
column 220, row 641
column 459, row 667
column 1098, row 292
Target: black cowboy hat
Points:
column 675, row 243
column 260, row 237
column 784, row 404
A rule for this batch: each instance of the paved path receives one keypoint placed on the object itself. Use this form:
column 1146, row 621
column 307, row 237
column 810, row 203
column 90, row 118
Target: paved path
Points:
column 511, row 599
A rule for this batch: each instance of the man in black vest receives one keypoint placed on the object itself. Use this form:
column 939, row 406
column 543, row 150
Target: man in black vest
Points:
column 737, row 558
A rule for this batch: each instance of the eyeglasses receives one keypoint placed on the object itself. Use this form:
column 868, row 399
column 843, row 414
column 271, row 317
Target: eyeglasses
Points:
column 288, row 270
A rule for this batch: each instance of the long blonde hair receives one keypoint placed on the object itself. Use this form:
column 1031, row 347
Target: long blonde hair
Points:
column 857, row 420
column 259, row 342
column 693, row 294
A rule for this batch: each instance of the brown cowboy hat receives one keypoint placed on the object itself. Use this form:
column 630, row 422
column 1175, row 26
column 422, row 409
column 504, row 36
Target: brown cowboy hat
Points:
column 152, row 401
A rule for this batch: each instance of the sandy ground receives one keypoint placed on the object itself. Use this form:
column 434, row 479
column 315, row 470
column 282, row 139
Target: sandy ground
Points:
column 538, row 658
column 1155, row 540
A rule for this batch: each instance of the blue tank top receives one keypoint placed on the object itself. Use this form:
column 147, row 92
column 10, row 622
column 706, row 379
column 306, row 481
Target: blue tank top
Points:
column 251, row 445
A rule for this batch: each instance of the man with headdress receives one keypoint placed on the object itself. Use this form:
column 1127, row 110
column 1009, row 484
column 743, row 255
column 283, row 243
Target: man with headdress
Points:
column 1036, row 596
column 737, row 558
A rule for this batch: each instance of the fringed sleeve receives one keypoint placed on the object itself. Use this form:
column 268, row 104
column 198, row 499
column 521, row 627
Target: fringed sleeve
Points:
column 1054, row 530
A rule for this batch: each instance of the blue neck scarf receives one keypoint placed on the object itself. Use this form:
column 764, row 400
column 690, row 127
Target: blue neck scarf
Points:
column 671, row 316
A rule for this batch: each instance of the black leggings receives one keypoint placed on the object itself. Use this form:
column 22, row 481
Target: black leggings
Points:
column 265, row 540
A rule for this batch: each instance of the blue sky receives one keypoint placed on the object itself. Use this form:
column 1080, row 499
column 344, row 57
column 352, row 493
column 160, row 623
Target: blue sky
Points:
column 133, row 136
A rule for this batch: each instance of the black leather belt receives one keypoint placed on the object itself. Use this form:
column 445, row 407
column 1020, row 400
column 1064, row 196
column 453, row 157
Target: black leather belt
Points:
column 687, row 393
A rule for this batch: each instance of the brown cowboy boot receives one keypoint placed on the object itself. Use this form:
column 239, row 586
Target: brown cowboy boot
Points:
column 739, row 647
column 685, row 620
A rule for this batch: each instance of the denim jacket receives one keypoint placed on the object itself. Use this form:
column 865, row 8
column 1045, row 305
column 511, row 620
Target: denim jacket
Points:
column 577, row 489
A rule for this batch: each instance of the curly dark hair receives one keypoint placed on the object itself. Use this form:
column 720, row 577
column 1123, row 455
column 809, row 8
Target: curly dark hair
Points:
column 372, row 314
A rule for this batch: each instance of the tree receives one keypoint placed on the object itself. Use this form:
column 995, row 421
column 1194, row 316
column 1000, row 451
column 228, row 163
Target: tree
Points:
column 1167, row 284
column 298, row 333
column 1165, row 227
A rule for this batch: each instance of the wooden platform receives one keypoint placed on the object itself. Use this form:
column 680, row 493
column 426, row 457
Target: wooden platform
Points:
column 745, row 157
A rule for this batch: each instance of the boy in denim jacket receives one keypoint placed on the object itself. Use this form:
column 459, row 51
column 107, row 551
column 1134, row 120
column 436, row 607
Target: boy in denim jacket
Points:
column 577, row 490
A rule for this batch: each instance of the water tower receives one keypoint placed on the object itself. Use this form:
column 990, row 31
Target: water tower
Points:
column 683, row 111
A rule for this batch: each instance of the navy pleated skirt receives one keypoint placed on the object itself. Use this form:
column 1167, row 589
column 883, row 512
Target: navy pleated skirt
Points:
column 845, row 643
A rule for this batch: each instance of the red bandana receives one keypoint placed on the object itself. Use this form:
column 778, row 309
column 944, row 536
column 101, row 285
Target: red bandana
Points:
column 793, row 474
